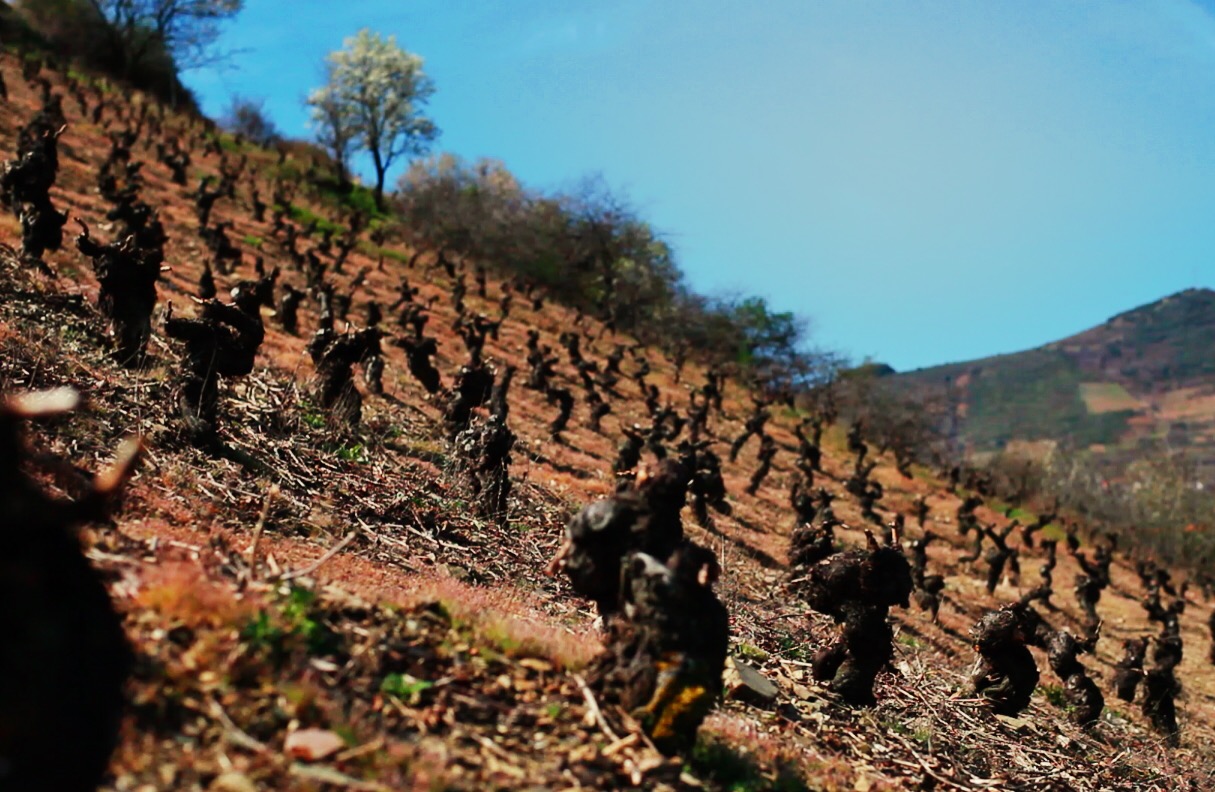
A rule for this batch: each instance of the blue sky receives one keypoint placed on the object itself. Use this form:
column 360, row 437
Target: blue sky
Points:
column 927, row 181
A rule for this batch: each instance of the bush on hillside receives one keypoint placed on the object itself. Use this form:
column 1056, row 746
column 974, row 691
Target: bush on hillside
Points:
column 1157, row 505
column 588, row 248
column 909, row 423
column 247, row 117
column 140, row 44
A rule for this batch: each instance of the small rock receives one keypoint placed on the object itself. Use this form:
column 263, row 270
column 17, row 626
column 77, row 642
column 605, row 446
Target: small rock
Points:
column 312, row 745
column 324, row 665
column 458, row 572
column 1016, row 723
column 748, row 684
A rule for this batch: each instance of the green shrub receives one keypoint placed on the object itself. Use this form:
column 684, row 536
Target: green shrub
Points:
column 297, row 623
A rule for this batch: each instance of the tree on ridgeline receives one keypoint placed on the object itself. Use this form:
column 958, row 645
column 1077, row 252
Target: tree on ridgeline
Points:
column 373, row 103
column 142, row 42
column 247, row 117
column 186, row 29
column 768, row 338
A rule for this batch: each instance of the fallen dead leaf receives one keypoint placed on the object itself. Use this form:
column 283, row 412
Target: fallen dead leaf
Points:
column 312, row 745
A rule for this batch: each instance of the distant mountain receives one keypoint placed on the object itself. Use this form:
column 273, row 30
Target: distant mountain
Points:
column 1141, row 380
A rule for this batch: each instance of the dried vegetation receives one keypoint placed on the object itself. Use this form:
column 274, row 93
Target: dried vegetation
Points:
column 319, row 606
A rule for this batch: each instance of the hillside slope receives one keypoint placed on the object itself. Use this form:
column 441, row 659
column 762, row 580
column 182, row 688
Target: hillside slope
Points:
column 1144, row 376
column 341, row 582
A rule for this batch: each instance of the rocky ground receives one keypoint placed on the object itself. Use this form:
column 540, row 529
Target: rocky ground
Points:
column 321, row 609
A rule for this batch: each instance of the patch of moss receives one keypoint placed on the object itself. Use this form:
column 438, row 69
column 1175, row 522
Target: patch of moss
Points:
column 748, row 652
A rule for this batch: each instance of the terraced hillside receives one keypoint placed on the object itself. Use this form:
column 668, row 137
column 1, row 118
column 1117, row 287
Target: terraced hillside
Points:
column 336, row 580
column 1143, row 377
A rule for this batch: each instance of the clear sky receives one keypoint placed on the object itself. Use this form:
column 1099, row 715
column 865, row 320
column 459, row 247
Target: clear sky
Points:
column 926, row 181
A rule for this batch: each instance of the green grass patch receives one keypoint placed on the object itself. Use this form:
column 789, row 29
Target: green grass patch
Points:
column 262, row 633
column 352, row 453
column 997, row 505
column 728, row 769
column 1104, row 397
column 792, row 648
column 395, row 255
column 228, row 142
column 80, row 77
column 374, row 251
column 291, row 170
column 294, row 623
column 252, row 241
column 1054, row 532
column 920, row 734
column 405, row 687
column 357, row 198
column 306, row 217
column 1053, row 694
column 392, row 432
column 313, row 419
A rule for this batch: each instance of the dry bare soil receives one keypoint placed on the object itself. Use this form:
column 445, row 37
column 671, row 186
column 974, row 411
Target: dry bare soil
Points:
column 344, row 586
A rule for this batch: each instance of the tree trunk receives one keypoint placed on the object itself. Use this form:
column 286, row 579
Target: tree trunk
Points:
column 343, row 175
column 380, row 171
column 379, row 189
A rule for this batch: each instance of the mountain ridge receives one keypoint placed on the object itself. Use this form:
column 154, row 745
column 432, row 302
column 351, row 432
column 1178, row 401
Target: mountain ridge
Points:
column 889, row 370
column 1143, row 376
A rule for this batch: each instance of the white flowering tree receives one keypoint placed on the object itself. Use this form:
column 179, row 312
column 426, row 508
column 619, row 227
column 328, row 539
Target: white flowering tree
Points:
column 373, row 102
column 334, row 128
